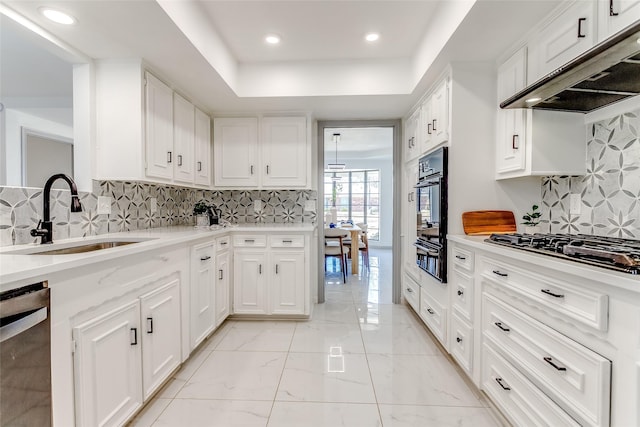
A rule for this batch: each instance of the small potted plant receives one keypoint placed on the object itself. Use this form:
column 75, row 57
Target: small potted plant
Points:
column 201, row 212
column 532, row 220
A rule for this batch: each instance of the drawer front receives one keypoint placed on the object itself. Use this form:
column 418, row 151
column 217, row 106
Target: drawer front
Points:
column 462, row 258
column 223, row 243
column 576, row 378
column 518, row 399
column 284, row 241
column 462, row 343
column 250, row 241
column 411, row 292
column 462, row 293
column 434, row 315
column 556, row 297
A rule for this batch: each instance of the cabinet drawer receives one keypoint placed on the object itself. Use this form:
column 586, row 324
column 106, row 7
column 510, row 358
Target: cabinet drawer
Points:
column 250, row 241
column 223, row 243
column 434, row 315
column 570, row 300
column 462, row 293
column 519, row 400
column 411, row 292
column 204, row 253
column 286, row 241
column 576, row 378
column 462, row 258
column 462, row 343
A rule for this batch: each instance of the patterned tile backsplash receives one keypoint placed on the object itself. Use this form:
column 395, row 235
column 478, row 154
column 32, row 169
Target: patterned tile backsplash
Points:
column 21, row 208
column 610, row 190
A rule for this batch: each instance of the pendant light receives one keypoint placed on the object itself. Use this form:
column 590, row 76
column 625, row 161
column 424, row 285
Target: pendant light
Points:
column 336, row 165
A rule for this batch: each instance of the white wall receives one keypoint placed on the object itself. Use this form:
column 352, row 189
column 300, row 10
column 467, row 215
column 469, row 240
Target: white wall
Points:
column 472, row 184
column 53, row 121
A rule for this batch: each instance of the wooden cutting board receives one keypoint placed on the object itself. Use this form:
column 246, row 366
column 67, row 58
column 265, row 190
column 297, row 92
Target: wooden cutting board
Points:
column 488, row 222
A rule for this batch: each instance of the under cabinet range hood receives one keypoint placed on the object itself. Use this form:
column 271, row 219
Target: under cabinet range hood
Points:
column 607, row 73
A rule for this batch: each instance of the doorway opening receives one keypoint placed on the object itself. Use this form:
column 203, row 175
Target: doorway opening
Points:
column 359, row 176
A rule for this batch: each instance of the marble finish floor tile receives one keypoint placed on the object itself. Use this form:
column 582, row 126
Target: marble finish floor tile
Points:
column 240, row 375
column 384, row 314
column 334, row 313
column 321, row 337
column 313, row 414
column 421, row 416
column 398, row 338
column 227, row 413
column 150, row 413
column 419, row 380
column 253, row 336
column 316, row 377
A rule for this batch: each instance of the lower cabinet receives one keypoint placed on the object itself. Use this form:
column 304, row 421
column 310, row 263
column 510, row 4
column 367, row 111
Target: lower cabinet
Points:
column 113, row 373
column 270, row 280
column 223, row 281
column 203, row 293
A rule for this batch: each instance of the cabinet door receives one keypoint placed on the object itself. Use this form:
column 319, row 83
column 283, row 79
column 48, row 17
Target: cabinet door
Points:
column 284, row 152
column 564, row 38
column 158, row 128
column 223, row 283
column 511, row 134
column 412, row 143
column 202, row 149
column 410, row 213
column 160, row 334
column 288, row 284
column 235, row 148
column 616, row 15
column 249, row 282
column 203, row 284
column 440, row 114
column 107, row 367
column 183, row 139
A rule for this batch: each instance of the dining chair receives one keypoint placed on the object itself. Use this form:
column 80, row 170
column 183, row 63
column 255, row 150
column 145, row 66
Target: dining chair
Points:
column 333, row 247
column 363, row 244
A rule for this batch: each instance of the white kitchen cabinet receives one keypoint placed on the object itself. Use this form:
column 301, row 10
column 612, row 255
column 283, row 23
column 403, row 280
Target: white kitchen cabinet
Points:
column 250, row 281
column 108, row 366
column 122, row 356
column 202, row 147
column 426, row 125
column 223, row 281
column 615, row 15
column 286, row 286
column 160, row 335
column 158, row 128
column 183, row 140
column 203, row 293
column 434, row 313
column 283, row 147
column 535, row 142
column 411, row 292
column 439, row 114
column 409, row 213
column 235, row 152
column 412, row 145
column 566, row 36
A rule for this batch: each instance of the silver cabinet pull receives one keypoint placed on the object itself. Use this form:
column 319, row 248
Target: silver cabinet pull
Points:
column 204, row 258
column 429, row 128
column 249, row 240
column 515, row 142
column 260, row 268
column 287, row 241
column 267, row 169
column 251, row 169
column 179, row 159
column 149, row 325
column 219, row 274
column 434, row 124
column 276, row 268
column 199, row 166
column 169, row 157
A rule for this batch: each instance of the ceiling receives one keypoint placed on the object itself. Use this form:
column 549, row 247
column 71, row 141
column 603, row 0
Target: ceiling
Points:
column 213, row 51
column 358, row 143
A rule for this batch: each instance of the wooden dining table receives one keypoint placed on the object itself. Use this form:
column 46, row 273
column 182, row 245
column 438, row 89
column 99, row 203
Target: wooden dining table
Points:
column 355, row 245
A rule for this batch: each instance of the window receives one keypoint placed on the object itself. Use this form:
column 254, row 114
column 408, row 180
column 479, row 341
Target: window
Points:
column 357, row 197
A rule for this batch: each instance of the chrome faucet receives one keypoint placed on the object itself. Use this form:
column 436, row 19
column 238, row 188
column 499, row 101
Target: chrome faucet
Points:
column 45, row 227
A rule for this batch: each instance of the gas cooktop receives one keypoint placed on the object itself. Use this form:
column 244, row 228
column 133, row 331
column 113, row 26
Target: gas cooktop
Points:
column 608, row 252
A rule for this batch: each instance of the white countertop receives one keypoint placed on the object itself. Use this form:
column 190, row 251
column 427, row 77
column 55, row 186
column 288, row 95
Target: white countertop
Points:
column 617, row 279
column 19, row 267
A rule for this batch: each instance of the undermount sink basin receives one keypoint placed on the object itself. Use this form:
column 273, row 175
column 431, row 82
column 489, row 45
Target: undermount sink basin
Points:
column 89, row 247
column 75, row 247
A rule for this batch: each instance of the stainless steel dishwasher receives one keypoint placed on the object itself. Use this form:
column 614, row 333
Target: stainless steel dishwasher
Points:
column 25, row 356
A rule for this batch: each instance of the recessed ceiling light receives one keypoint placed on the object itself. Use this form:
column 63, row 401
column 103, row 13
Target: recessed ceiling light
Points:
column 372, row 37
column 57, row 16
column 272, row 39
column 532, row 100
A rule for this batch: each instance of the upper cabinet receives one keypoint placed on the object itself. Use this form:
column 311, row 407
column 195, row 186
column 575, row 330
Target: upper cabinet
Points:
column 166, row 138
column 412, row 146
column 614, row 15
column 276, row 156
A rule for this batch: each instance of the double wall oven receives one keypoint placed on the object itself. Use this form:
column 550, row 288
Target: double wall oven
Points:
column 431, row 206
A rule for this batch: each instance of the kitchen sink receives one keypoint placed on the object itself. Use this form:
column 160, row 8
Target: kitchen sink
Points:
column 75, row 248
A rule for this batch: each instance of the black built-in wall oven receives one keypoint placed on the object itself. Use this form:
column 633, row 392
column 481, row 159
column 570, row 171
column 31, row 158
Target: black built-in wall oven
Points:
column 431, row 206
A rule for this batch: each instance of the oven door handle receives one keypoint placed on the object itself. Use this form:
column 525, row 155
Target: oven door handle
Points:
column 430, row 183
column 23, row 324
column 429, row 251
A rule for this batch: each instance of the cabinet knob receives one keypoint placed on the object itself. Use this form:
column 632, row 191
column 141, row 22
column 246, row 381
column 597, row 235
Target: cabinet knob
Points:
column 460, row 293
column 458, row 339
column 430, row 311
